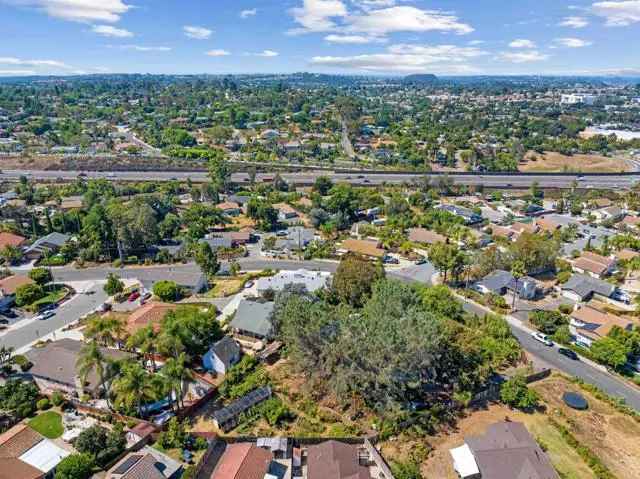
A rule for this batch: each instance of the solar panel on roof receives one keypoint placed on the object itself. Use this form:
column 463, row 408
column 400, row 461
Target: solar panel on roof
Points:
column 128, row 464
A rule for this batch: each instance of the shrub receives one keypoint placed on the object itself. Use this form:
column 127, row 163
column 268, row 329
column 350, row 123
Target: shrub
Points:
column 28, row 294
column 57, row 398
column 548, row 322
column 22, row 362
column 114, row 285
column 43, row 404
column 563, row 276
column 75, row 466
column 41, row 276
column 167, row 290
column 565, row 308
column 516, row 394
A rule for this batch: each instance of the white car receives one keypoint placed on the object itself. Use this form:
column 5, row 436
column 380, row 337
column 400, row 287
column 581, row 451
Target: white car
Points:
column 44, row 315
column 543, row 338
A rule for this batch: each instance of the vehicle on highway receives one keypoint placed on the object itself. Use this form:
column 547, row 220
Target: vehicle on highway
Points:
column 568, row 353
column 111, row 175
column 44, row 315
column 133, row 296
column 543, row 338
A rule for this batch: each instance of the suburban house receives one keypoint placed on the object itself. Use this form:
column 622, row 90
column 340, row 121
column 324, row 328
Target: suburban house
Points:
column 54, row 368
column 588, row 324
column 631, row 221
column 286, row 213
column 246, row 460
column 147, row 463
column 226, row 418
column 8, row 288
column 626, row 254
column 49, row 244
column 466, row 214
column 311, row 280
column 230, row 208
column 501, row 231
column 548, row 224
column 366, row 248
column 152, row 313
column 500, row 281
column 593, row 264
column 11, row 239
column 194, row 282
column 334, row 459
column 611, row 213
column 505, row 451
column 253, row 319
column 222, row 355
column 581, row 287
column 519, row 228
column 26, row 454
column 424, row 236
column 282, row 458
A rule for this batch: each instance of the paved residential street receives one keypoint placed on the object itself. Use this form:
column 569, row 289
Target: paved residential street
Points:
column 31, row 330
column 84, row 303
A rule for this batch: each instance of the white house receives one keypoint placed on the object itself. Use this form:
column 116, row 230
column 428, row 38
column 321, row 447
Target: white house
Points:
column 222, row 355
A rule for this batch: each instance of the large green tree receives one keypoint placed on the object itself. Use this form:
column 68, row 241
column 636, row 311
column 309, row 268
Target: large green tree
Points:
column 354, row 279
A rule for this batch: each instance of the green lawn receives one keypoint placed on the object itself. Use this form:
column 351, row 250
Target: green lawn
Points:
column 53, row 296
column 49, row 424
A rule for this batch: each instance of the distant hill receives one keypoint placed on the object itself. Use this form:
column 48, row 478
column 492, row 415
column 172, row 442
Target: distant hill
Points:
column 420, row 79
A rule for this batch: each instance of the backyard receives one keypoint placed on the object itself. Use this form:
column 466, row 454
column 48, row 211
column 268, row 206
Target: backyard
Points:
column 48, row 423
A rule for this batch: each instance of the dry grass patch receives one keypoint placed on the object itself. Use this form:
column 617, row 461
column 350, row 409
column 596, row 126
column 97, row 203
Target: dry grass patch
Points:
column 552, row 162
column 609, row 434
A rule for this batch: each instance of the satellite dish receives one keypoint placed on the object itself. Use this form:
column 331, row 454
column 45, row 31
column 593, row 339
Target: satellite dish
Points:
column 575, row 401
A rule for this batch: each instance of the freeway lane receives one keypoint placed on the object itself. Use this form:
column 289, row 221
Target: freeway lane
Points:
column 83, row 304
column 357, row 179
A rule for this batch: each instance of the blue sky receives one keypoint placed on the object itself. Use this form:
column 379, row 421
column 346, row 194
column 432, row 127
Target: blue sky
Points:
column 336, row 36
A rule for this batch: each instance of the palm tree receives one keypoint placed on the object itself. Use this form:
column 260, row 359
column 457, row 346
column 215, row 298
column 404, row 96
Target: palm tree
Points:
column 92, row 359
column 517, row 271
column 177, row 372
column 145, row 340
column 133, row 387
column 107, row 331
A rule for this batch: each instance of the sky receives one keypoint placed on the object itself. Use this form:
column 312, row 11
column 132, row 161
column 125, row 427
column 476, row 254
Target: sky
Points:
column 381, row 37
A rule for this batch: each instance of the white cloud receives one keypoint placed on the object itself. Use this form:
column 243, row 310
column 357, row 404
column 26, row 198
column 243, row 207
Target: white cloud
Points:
column 476, row 42
column 405, row 19
column 522, row 43
column 144, row 48
column 111, row 31
column 408, row 58
column 572, row 42
column 317, row 15
column 17, row 72
column 354, row 39
column 618, row 13
column 199, row 33
column 529, row 56
column 34, row 63
column 218, row 53
column 574, row 22
column 267, row 54
column 248, row 13
column 78, row 10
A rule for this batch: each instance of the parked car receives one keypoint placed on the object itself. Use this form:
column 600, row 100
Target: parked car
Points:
column 44, row 315
column 104, row 307
column 145, row 297
column 543, row 338
column 133, row 296
column 248, row 284
column 568, row 353
column 391, row 260
column 421, row 260
column 9, row 313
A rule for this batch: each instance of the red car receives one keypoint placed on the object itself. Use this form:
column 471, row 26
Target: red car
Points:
column 133, row 296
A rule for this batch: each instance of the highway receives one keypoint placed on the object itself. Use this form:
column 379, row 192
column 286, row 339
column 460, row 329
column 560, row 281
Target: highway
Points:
column 84, row 303
column 364, row 178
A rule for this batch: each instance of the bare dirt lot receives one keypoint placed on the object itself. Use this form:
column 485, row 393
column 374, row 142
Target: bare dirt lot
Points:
column 556, row 163
column 609, row 434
